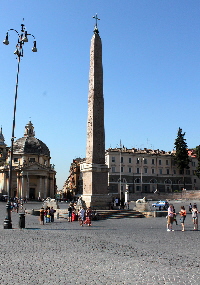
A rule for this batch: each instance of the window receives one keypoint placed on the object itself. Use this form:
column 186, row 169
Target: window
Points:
column 129, row 160
column 15, row 160
column 187, row 172
column 122, row 169
column 174, row 171
column 122, row 159
column 152, row 161
column 152, row 170
column 129, row 170
column 113, row 159
column 137, row 188
column 160, row 162
column 193, row 163
column 113, row 168
column 138, row 160
column 195, row 180
column 167, row 162
column 160, row 171
column 145, row 161
column 138, row 170
column 32, row 159
column 145, row 170
column 167, row 170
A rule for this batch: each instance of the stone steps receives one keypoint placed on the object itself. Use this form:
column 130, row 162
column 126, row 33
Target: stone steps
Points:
column 119, row 214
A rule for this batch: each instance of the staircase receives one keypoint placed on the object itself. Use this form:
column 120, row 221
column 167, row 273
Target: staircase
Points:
column 118, row 214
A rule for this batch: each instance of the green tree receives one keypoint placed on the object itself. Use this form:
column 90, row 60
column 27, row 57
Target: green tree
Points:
column 198, row 157
column 181, row 157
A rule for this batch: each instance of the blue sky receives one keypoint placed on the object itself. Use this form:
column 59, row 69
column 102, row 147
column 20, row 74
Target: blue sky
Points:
column 151, row 61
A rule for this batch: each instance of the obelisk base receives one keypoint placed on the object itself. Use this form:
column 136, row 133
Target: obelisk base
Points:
column 95, row 186
column 97, row 201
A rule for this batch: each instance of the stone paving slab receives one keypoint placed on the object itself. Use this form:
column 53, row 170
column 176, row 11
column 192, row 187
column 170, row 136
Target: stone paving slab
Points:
column 126, row 251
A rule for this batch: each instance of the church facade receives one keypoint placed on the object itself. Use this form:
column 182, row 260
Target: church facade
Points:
column 33, row 176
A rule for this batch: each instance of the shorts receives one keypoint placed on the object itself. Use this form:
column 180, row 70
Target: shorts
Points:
column 195, row 218
column 182, row 219
column 170, row 220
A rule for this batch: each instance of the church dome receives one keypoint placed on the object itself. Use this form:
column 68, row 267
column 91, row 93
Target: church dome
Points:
column 29, row 144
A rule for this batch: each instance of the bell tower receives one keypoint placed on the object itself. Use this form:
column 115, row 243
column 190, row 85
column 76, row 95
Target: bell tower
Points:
column 29, row 130
column 95, row 171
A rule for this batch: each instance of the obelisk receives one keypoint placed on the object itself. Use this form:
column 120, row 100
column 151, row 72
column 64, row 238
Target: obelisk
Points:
column 95, row 171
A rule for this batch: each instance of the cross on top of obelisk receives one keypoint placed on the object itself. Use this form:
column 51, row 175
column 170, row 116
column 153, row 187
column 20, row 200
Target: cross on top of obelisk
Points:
column 96, row 31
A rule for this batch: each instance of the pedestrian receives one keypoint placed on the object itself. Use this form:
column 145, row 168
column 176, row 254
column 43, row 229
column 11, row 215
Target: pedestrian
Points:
column 52, row 211
column 88, row 216
column 175, row 220
column 183, row 216
column 47, row 215
column 195, row 217
column 81, row 216
column 190, row 208
column 170, row 218
column 70, row 210
column 42, row 216
column 116, row 202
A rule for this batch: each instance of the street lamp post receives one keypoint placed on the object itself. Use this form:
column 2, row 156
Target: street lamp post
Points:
column 22, row 38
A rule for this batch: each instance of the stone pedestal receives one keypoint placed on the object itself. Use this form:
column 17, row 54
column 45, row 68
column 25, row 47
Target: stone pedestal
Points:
column 97, row 201
column 95, row 186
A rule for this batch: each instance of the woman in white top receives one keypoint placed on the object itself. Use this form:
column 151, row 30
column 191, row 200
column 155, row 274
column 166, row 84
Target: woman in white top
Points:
column 81, row 216
column 195, row 217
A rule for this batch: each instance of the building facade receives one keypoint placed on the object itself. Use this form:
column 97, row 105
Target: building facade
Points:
column 149, row 171
column 74, row 183
column 33, row 177
column 141, row 171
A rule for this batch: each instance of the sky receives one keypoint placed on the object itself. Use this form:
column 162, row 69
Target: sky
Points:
column 151, row 63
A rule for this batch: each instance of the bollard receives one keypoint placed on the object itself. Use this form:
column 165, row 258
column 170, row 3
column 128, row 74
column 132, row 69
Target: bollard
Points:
column 22, row 220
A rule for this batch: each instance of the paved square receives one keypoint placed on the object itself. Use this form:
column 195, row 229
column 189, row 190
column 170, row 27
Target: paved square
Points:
column 126, row 251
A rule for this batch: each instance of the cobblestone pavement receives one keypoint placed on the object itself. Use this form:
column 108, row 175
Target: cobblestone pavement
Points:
column 126, row 251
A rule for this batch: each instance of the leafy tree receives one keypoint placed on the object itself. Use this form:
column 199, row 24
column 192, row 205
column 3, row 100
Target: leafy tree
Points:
column 198, row 157
column 181, row 157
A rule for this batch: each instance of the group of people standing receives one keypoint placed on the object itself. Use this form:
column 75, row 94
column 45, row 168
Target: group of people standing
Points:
column 84, row 216
column 47, row 215
column 172, row 216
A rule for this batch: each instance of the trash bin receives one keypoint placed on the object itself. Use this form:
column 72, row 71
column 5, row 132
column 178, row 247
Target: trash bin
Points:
column 22, row 220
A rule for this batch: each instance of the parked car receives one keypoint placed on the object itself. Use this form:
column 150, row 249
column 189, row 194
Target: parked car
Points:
column 4, row 198
column 161, row 204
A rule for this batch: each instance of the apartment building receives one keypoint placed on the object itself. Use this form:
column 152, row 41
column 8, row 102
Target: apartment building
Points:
column 148, row 171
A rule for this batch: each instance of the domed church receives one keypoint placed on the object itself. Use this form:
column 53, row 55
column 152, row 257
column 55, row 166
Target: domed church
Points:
column 33, row 176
